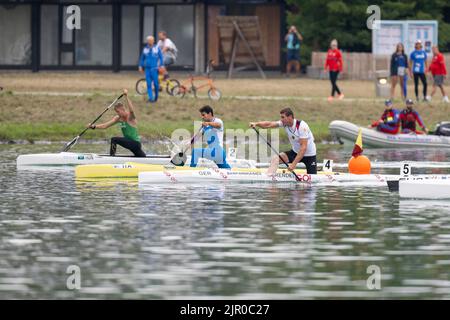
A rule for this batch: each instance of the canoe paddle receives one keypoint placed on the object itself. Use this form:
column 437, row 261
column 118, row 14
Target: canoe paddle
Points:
column 70, row 144
column 179, row 159
column 279, row 156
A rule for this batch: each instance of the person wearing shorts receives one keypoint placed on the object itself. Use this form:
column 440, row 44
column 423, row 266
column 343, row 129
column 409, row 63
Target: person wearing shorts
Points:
column 293, row 39
column 399, row 67
column 439, row 71
column 301, row 139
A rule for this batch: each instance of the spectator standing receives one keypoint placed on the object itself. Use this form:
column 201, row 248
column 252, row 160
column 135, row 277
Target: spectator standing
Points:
column 293, row 39
column 334, row 64
column 149, row 63
column 439, row 71
column 399, row 65
column 418, row 65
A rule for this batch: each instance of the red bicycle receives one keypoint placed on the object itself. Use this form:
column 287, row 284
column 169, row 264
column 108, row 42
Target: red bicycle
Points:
column 189, row 86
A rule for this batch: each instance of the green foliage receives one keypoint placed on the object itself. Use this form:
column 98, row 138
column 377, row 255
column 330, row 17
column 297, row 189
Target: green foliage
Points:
column 319, row 21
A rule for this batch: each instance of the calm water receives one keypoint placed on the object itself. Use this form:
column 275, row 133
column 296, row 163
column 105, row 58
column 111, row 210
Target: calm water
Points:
column 217, row 241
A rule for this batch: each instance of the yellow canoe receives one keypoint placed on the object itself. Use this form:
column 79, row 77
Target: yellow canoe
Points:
column 125, row 170
column 132, row 170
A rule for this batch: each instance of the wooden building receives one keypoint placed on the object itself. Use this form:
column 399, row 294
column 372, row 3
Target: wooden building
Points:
column 34, row 35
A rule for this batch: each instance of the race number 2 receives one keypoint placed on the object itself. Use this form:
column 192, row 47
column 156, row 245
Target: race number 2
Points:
column 327, row 165
column 405, row 169
column 232, row 153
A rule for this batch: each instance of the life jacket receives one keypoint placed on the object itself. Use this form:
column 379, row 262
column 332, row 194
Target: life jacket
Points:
column 408, row 118
column 391, row 117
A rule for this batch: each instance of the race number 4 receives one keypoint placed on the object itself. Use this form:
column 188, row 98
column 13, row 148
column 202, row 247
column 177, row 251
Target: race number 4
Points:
column 405, row 170
column 327, row 165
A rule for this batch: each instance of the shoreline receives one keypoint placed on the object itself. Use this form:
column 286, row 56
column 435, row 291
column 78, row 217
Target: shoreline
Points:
column 51, row 108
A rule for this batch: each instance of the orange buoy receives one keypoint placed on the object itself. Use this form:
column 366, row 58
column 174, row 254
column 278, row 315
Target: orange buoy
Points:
column 359, row 165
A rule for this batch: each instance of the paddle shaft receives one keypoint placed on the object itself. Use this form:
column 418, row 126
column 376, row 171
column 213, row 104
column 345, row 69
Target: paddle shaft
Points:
column 101, row 114
column 279, row 156
column 193, row 140
column 69, row 145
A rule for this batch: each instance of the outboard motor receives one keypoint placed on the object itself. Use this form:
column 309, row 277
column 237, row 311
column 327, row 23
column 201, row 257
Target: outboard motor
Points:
column 443, row 129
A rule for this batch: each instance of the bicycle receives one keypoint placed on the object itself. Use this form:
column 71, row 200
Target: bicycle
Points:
column 169, row 84
column 214, row 93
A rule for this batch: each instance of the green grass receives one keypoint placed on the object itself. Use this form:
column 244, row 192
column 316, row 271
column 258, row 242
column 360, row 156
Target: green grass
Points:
column 60, row 132
column 56, row 118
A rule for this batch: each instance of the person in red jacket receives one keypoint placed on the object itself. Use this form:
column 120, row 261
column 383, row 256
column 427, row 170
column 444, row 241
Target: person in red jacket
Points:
column 333, row 64
column 389, row 121
column 409, row 117
column 439, row 71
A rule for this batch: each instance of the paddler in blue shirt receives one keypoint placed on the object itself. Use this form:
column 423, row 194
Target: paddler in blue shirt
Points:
column 213, row 132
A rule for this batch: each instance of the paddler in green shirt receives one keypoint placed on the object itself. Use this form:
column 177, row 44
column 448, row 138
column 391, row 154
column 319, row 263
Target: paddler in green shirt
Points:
column 128, row 124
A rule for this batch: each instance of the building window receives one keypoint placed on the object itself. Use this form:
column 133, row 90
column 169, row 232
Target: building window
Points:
column 178, row 22
column 49, row 35
column 15, row 34
column 149, row 23
column 93, row 43
column 130, row 36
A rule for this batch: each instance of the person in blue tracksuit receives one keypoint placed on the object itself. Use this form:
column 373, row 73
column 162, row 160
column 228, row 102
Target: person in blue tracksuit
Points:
column 150, row 62
column 213, row 132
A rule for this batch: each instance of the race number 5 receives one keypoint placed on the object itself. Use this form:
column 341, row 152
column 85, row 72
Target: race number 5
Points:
column 232, row 153
column 327, row 165
column 405, row 170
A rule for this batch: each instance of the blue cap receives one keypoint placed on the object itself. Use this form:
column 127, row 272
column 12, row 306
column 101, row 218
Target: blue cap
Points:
column 388, row 103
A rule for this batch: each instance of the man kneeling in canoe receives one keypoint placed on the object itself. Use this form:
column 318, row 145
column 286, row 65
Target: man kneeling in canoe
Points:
column 212, row 129
column 301, row 139
column 128, row 125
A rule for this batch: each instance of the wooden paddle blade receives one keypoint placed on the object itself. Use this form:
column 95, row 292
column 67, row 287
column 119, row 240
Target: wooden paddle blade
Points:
column 179, row 159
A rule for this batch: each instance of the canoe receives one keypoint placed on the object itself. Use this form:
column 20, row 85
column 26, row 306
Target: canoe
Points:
column 73, row 159
column 394, row 183
column 131, row 170
column 425, row 188
column 125, row 170
column 44, row 160
column 347, row 132
column 254, row 175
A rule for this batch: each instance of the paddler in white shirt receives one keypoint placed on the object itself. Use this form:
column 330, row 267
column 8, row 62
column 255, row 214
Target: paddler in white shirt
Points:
column 301, row 139
column 212, row 128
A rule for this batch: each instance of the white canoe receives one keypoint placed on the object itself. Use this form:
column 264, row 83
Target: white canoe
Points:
column 44, row 160
column 220, row 175
column 425, row 188
column 347, row 132
column 73, row 159
column 393, row 183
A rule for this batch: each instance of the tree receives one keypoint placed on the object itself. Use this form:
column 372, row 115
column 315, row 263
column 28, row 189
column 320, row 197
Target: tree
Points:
column 320, row 21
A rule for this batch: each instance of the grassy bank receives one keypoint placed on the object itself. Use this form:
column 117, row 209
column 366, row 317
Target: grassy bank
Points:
column 53, row 117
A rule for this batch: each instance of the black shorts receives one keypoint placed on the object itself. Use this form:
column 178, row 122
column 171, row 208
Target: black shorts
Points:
column 310, row 162
column 293, row 55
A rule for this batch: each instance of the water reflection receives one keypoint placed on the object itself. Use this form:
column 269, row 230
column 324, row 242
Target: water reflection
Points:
column 216, row 240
